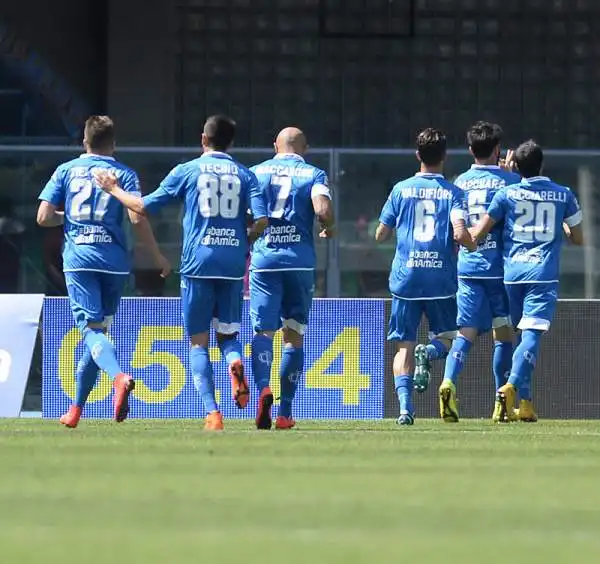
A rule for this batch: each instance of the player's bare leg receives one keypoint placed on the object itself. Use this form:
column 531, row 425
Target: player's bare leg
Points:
column 202, row 373
column 403, row 368
column 291, row 368
column 262, row 359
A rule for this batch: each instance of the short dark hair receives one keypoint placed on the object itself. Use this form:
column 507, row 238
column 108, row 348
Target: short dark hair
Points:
column 529, row 158
column 219, row 131
column 483, row 138
column 99, row 132
column 431, row 146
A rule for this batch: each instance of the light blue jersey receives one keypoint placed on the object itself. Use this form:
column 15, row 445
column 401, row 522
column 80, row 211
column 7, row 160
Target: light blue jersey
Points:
column 94, row 236
column 533, row 212
column 289, row 183
column 480, row 184
column 216, row 192
column 421, row 210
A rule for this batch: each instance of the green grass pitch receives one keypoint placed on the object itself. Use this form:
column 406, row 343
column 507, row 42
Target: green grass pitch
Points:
column 327, row 492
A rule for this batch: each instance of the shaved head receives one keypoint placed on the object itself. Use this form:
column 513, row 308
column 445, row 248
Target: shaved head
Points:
column 291, row 140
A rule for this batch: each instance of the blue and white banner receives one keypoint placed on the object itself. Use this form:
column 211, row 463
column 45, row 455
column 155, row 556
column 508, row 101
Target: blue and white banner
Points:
column 343, row 378
column 19, row 320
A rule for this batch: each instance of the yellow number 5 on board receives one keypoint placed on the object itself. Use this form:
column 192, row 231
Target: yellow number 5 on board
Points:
column 144, row 357
column 351, row 381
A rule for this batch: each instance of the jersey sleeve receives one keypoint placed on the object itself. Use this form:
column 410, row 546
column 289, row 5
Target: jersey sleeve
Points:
column 170, row 189
column 320, row 185
column 497, row 208
column 258, row 202
column 573, row 211
column 131, row 183
column 458, row 209
column 389, row 213
column 54, row 191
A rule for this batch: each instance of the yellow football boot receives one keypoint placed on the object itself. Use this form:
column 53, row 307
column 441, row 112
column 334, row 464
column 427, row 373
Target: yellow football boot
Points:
column 448, row 402
column 526, row 412
column 505, row 403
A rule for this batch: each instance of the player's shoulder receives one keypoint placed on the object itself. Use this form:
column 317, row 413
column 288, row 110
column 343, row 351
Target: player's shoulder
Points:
column 559, row 187
column 263, row 167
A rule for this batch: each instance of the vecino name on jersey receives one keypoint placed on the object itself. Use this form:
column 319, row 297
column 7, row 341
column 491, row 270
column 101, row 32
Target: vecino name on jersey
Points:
column 220, row 237
column 426, row 193
column 541, row 196
column 282, row 234
column 219, row 168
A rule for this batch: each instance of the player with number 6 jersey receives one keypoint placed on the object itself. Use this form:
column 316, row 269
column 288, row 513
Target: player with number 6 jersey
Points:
column 481, row 298
column 216, row 192
column 535, row 212
column 95, row 256
column 427, row 213
column 282, row 268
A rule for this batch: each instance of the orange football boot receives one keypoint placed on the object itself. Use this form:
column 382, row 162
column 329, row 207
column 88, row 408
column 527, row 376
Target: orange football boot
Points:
column 214, row 421
column 239, row 385
column 72, row 417
column 123, row 386
column 283, row 423
column 264, row 420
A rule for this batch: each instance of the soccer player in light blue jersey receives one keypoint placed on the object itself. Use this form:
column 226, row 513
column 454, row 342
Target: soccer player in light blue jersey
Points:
column 95, row 256
column 282, row 276
column 481, row 299
column 216, row 192
column 427, row 212
column 535, row 213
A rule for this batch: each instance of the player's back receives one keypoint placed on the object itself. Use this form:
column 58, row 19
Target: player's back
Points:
column 289, row 183
column 94, row 235
column 216, row 190
column 424, row 265
column 480, row 184
column 535, row 210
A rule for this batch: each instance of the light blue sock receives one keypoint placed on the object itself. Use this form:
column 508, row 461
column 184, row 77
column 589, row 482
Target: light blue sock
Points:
column 404, row 391
column 292, row 363
column 231, row 350
column 103, row 352
column 525, row 389
column 86, row 376
column 262, row 358
column 524, row 358
column 202, row 373
column 436, row 350
column 456, row 358
column 502, row 362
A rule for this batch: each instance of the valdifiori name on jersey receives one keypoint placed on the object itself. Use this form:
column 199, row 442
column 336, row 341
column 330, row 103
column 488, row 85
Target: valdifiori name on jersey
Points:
column 282, row 234
column 426, row 193
column 542, row 196
column 220, row 237
column 424, row 259
column 91, row 234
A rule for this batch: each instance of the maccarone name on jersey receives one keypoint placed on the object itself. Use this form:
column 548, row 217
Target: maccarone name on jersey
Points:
column 434, row 193
column 91, row 234
column 282, row 234
column 282, row 170
column 220, row 237
column 541, row 196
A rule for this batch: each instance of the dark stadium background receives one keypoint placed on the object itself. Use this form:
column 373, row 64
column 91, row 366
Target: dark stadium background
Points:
column 361, row 77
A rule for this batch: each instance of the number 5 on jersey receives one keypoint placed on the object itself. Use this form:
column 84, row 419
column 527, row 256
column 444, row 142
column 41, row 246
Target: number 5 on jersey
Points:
column 219, row 196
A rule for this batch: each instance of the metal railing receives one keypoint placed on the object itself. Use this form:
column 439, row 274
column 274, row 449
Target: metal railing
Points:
column 350, row 265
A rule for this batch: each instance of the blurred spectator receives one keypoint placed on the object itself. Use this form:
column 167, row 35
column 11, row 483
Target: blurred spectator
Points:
column 53, row 263
column 11, row 245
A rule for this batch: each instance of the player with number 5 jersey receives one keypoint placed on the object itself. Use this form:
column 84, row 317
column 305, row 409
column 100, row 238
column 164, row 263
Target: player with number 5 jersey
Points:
column 216, row 192
column 282, row 268
column 535, row 213
column 95, row 256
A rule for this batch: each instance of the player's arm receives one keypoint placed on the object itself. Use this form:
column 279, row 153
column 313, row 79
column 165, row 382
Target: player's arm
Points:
column 143, row 229
column 320, row 195
column 572, row 224
column 51, row 197
column 495, row 213
column 458, row 218
column 387, row 218
column 257, row 219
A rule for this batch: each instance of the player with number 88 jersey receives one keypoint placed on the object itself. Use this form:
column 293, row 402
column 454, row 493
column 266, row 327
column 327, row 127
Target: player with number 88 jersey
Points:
column 216, row 192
